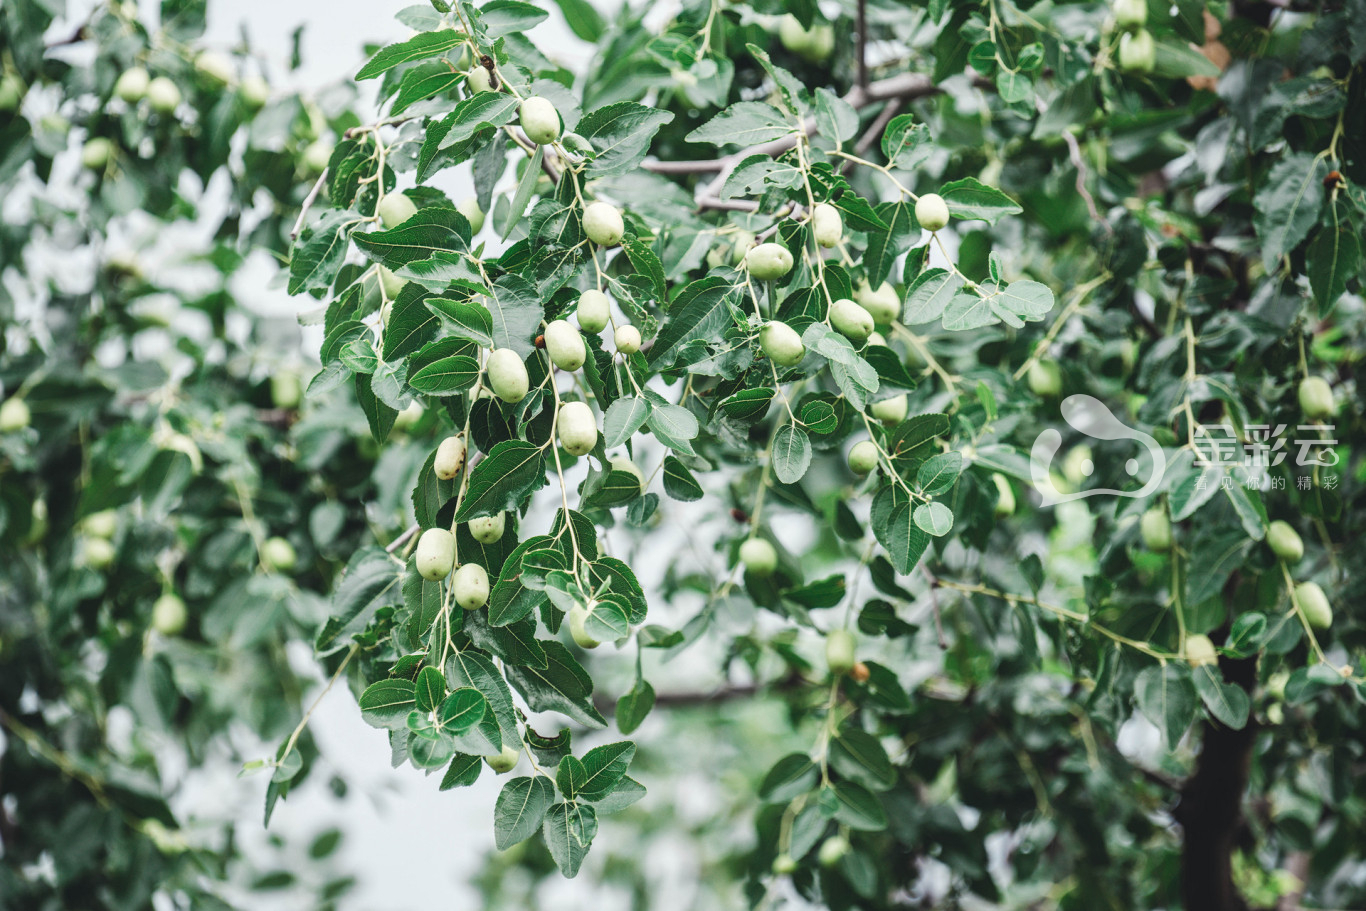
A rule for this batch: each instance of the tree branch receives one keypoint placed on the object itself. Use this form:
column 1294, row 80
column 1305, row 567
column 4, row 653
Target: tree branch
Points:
column 861, row 37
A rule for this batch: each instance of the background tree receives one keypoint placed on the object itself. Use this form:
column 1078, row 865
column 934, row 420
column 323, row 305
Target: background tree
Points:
column 815, row 301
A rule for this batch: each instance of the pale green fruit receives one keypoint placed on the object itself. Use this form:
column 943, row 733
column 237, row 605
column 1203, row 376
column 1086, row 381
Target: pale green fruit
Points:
column 97, row 153
column 488, row 529
column 1316, row 398
column 477, row 80
column 450, row 458
column 1285, row 542
column 507, row 376
column 505, row 761
column 286, row 389
column 932, row 212
column 96, row 553
column 839, row 651
column 169, row 615
column 102, row 524
column 578, row 429
column 768, row 261
column 814, row 45
column 214, row 65
column 1131, row 14
column 851, row 320
column 877, row 338
column 578, row 617
column 832, row 851
column 394, row 209
column 827, row 224
column 11, row 92
column 784, row 865
column 782, row 344
column 594, row 311
column 131, row 86
column 1137, row 51
column 255, row 92
column 163, row 95
column 565, row 345
column 1156, row 530
column 890, row 411
column 278, row 555
column 624, row 464
column 471, row 586
column 1200, row 651
column 759, row 557
column 1005, row 496
column 14, row 415
column 1314, row 603
column 1045, row 378
column 863, row 457
column 317, row 155
column 409, row 416
column 435, row 556
column 469, row 207
column 626, row 339
column 740, row 247
column 603, row 224
column 389, row 283
column 884, row 303
column 540, row 120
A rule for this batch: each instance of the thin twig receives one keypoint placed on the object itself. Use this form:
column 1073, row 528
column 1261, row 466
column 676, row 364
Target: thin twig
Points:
column 934, row 604
column 874, row 132
column 402, row 539
column 861, row 38
column 308, row 202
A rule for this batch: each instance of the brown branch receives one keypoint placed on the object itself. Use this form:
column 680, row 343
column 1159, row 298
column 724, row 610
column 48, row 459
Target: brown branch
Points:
column 308, row 203
column 874, row 132
column 1297, row 865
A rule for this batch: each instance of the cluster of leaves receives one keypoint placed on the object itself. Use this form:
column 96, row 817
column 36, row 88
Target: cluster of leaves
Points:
column 1194, row 224
column 143, row 618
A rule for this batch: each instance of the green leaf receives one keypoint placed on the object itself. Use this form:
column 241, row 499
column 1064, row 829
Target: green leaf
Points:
column 857, row 807
column 929, row 294
column 432, row 230
column 520, row 810
column 448, row 376
column 634, row 706
column 319, row 252
column 516, row 312
column 418, row 47
column 411, row 325
column 562, row 686
column 623, row 418
column 1165, row 694
column 609, row 619
column 969, row 199
column 583, row 18
column 429, row 689
column 906, row 144
column 481, row 111
column 463, row 319
column 884, row 246
column 387, row 703
column 621, row 134
column 940, row 472
column 748, row 405
column 462, row 710
column 679, row 482
column 499, row 483
column 903, row 540
column 1226, row 701
column 745, row 123
column 1288, row 203
column 674, row 426
column 569, row 830
column 758, row 174
column 506, row 17
column 526, row 188
column 836, row 118
column 791, row 454
column 701, row 311
column 935, row 518
column 463, row 771
column 858, row 755
column 1176, row 59
column 1334, row 257
column 372, row 580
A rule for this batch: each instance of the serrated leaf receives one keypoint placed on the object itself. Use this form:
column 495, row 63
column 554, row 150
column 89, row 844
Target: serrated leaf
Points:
column 520, row 809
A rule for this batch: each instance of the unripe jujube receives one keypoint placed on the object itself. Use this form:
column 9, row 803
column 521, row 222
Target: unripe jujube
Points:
column 759, row 557
column 839, row 651
column 890, row 411
column 471, row 586
column 488, row 529
column 884, row 303
column 507, row 375
column 594, row 311
column 1131, row 14
column 1314, row 603
column 932, row 212
column 477, row 80
column 565, row 345
column 14, row 415
column 1316, row 398
column 1284, row 541
column 450, row 458
column 827, row 224
column 277, row 555
column 863, row 457
column 1156, row 530
column 97, row 153
column 768, row 261
column 578, row 618
column 469, row 207
column 1045, row 378
column 395, row 208
column 603, row 224
column 435, row 555
column 505, row 761
column 578, row 429
column 132, row 85
column 782, row 344
column 169, row 615
column 540, row 120
column 1137, row 51
column 1200, row 651
column 851, row 320
column 626, row 339
column 163, row 95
